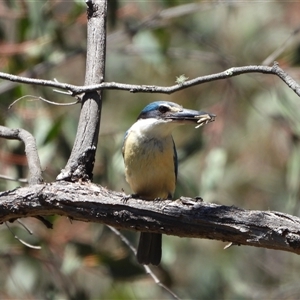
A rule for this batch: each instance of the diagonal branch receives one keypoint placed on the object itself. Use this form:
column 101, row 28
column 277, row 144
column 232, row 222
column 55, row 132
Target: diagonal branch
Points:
column 185, row 217
column 34, row 165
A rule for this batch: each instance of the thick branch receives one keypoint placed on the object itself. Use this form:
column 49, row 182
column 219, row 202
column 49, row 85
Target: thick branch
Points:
column 81, row 162
column 34, row 165
column 184, row 217
column 133, row 88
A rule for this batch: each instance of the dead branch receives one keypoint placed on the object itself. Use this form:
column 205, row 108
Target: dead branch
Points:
column 184, row 217
column 81, row 161
column 133, row 88
column 34, row 165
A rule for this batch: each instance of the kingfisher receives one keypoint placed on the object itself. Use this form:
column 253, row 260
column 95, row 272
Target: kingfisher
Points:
column 150, row 160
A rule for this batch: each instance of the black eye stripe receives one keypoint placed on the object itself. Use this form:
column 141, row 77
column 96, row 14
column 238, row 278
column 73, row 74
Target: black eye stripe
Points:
column 163, row 109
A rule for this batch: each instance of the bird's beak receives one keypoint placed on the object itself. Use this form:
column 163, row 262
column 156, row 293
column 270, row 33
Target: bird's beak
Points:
column 188, row 116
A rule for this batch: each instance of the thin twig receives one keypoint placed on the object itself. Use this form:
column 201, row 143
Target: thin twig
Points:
column 25, row 227
column 23, row 180
column 21, row 98
column 56, row 103
column 232, row 72
column 42, row 99
column 21, row 241
column 274, row 55
column 147, row 269
column 68, row 93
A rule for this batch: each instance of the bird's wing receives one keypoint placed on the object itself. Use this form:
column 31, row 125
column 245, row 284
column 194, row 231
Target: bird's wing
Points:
column 175, row 160
column 124, row 141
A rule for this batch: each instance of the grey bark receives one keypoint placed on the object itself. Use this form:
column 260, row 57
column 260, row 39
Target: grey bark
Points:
column 184, row 217
column 34, row 165
column 81, row 162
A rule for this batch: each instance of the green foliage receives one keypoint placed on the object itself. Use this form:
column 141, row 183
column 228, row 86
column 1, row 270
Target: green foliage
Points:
column 249, row 157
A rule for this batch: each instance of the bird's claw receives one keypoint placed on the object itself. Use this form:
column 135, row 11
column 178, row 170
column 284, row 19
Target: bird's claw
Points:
column 125, row 198
column 198, row 199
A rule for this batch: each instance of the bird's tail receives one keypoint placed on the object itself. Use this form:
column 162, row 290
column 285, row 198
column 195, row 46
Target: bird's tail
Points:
column 149, row 248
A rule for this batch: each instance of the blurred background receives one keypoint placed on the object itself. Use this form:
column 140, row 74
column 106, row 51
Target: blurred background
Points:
column 249, row 157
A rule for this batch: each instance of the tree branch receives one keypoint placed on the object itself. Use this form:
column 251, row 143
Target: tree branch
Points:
column 34, row 165
column 81, row 162
column 133, row 88
column 184, row 217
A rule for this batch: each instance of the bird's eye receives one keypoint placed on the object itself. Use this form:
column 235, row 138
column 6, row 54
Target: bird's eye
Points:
column 163, row 109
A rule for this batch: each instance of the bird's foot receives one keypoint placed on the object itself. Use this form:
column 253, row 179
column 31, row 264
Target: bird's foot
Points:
column 198, row 199
column 125, row 198
column 158, row 199
column 191, row 201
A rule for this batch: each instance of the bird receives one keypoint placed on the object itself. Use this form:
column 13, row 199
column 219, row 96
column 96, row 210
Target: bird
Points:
column 150, row 160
